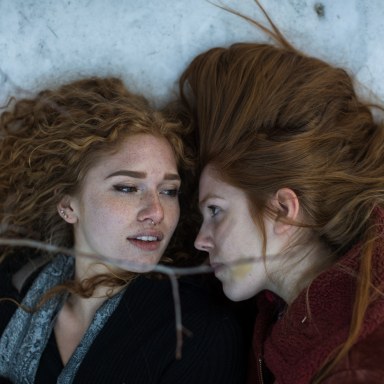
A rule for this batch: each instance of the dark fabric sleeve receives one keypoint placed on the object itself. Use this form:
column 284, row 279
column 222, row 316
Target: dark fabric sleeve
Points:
column 4, row 380
column 8, row 268
column 7, row 291
column 218, row 357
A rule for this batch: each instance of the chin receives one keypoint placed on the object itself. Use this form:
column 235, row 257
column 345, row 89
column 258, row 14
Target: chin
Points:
column 146, row 266
column 235, row 293
column 143, row 265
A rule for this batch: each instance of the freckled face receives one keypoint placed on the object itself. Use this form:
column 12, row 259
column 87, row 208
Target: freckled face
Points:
column 128, row 205
column 230, row 236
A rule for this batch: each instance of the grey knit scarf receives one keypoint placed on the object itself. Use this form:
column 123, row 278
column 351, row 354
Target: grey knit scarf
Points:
column 27, row 334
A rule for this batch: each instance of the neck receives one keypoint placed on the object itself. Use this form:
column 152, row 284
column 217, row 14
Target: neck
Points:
column 86, row 269
column 304, row 264
column 72, row 322
column 84, row 308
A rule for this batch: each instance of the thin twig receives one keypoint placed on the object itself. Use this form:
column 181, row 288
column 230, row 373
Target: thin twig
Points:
column 171, row 272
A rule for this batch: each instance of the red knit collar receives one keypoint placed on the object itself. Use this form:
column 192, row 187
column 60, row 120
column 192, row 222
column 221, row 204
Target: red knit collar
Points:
column 319, row 319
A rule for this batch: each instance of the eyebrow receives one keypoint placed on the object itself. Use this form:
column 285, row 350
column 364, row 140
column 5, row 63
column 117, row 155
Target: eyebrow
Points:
column 209, row 196
column 142, row 175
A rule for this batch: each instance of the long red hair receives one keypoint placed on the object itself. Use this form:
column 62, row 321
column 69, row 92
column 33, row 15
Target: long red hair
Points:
column 269, row 117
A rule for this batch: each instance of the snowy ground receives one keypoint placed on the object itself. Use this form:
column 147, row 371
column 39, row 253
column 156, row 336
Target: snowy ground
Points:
column 149, row 42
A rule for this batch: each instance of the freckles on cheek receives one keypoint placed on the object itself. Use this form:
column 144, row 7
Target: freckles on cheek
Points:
column 113, row 209
column 102, row 214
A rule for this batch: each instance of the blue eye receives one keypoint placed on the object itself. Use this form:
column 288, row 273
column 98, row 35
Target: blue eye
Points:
column 214, row 210
column 125, row 188
column 170, row 192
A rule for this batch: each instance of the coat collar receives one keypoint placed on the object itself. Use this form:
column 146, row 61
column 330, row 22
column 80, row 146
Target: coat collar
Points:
column 319, row 319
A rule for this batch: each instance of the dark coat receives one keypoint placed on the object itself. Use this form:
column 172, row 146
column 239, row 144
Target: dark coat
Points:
column 138, row 342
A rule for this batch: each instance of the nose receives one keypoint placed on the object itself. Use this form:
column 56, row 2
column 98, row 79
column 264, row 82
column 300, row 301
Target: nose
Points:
column 152, row 208
column 203, row 241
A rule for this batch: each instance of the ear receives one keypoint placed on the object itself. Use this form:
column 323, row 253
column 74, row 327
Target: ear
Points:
column 66, row 211
column 287, row 204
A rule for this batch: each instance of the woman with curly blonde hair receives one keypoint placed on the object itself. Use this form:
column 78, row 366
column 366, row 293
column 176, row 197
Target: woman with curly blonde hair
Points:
column 292, row 198
column 92, row 172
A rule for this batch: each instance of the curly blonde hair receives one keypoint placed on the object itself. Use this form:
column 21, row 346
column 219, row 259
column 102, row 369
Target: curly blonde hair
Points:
column 47, row 145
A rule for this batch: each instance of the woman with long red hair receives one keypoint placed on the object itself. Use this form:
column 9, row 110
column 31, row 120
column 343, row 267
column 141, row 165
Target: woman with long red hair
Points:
column 292, row 199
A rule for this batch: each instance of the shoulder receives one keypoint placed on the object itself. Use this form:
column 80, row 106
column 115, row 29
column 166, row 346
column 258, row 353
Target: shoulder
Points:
column 364, row 362
column 16, row 276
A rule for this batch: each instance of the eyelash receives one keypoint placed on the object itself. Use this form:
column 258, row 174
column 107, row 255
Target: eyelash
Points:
column 214, row 210
column 171, row 192
column 125, row 188
column 131, row 189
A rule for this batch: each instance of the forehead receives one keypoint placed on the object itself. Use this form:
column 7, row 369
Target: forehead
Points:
column 209, row 179
column 141, row 152
column 211, row 185
column 145, row 146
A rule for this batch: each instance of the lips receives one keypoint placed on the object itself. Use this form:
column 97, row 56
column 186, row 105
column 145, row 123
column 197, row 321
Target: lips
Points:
column 147, row 240
column 217, row 267
column 220, row 270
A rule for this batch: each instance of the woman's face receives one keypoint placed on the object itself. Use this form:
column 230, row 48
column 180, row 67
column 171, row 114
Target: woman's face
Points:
column 231, row 237
column 128, row 205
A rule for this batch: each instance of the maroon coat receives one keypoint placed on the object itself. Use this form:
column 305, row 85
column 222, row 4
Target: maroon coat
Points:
column 289, row 348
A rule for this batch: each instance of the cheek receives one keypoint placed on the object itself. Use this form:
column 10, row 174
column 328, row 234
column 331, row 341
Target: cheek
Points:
column 176, row 215
column 108, row 212
column 172, row 213
column 232, row 239
column 224, row 232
